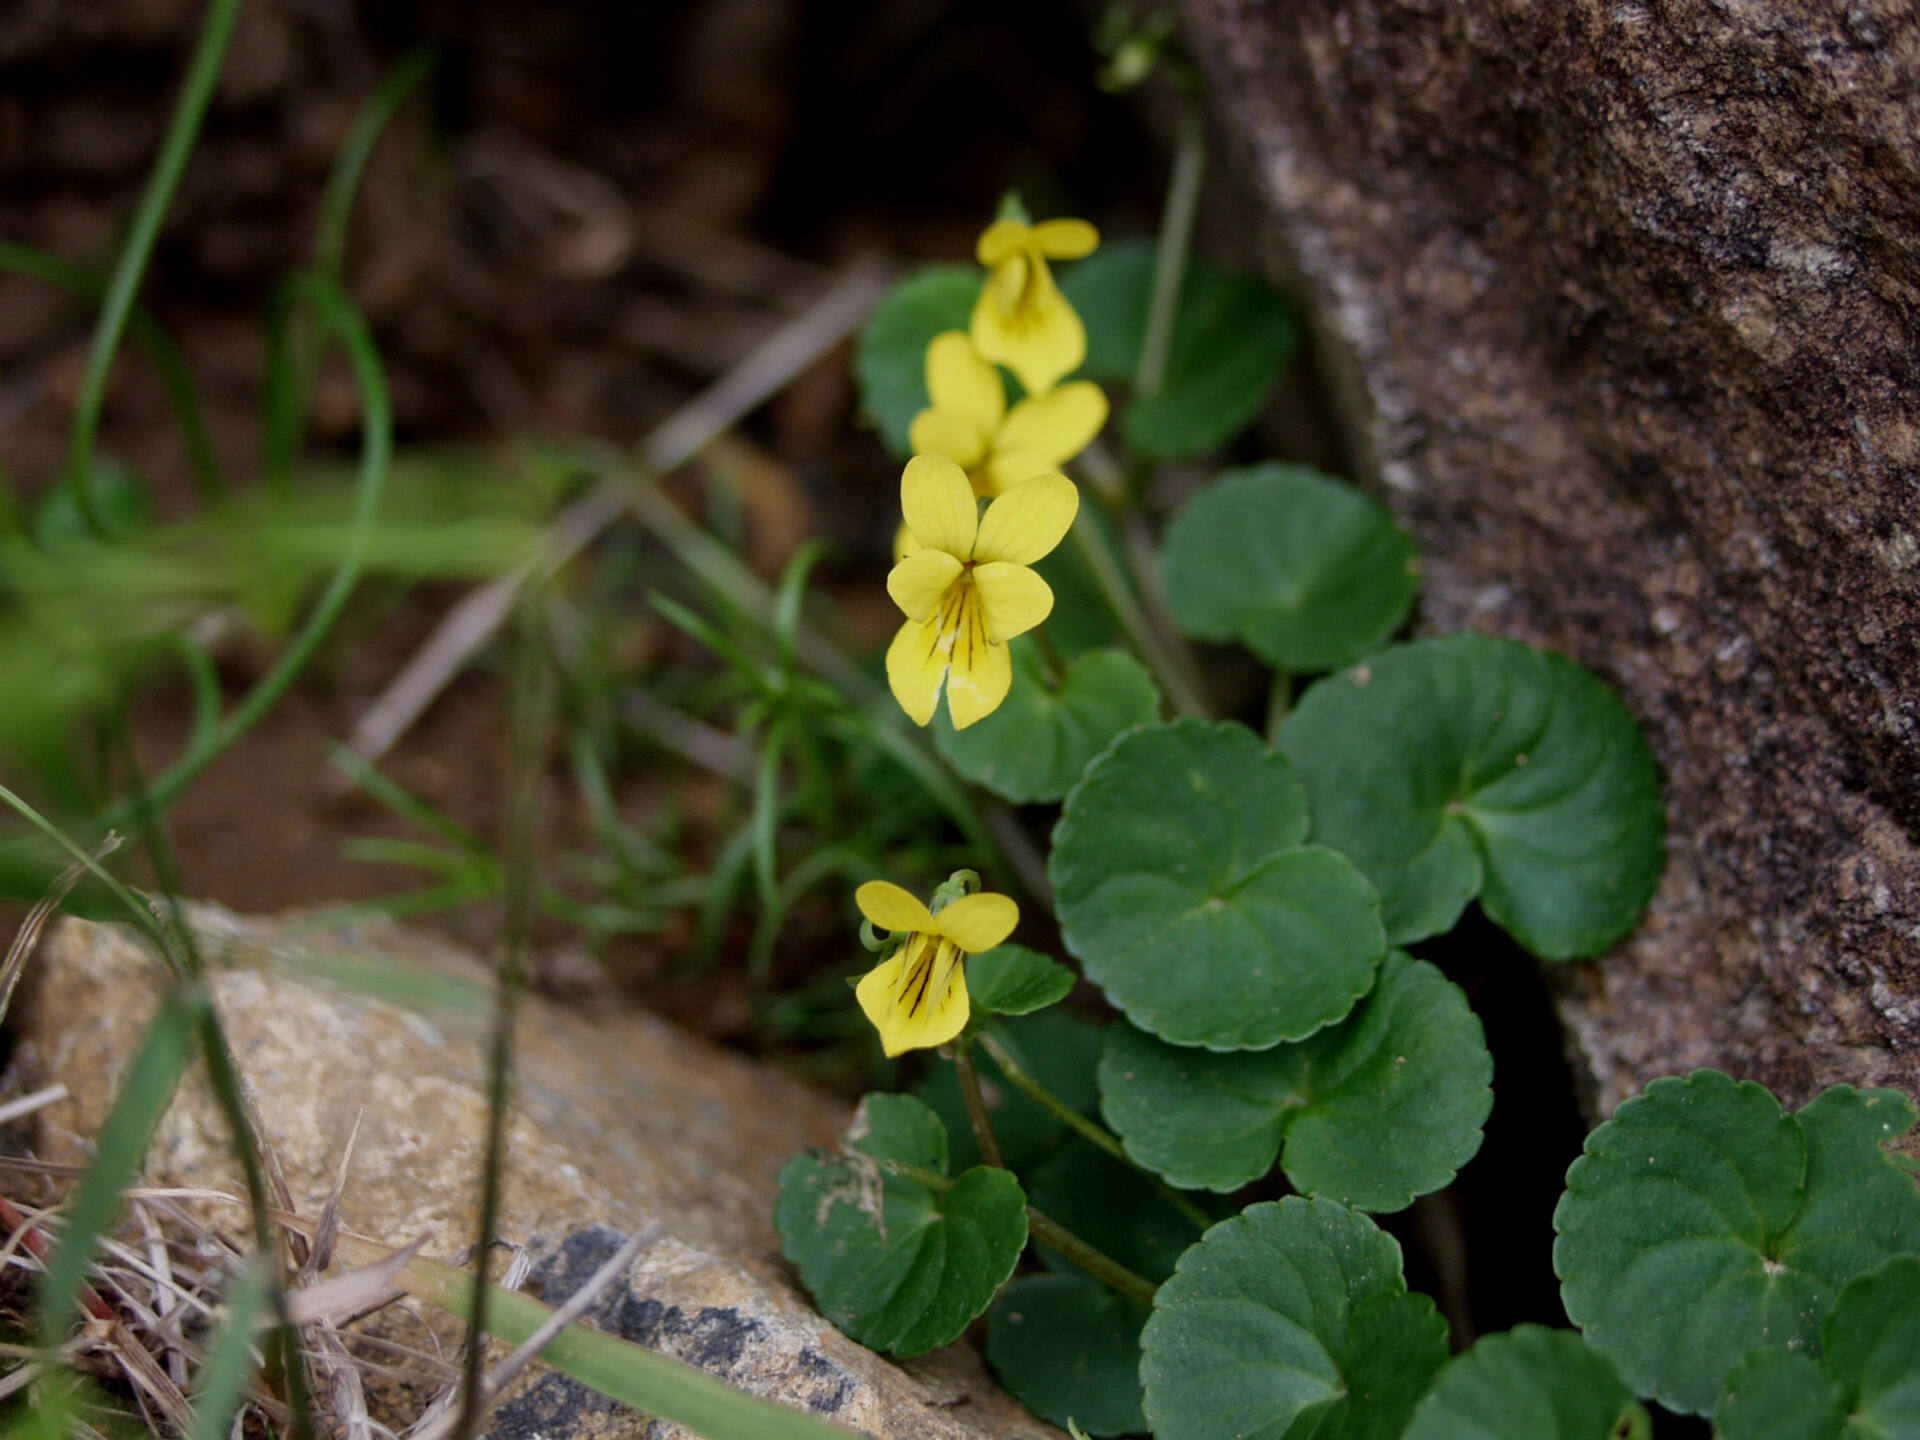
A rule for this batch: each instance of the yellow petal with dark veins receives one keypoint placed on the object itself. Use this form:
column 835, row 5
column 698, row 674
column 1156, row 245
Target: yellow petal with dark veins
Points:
column 917, row 999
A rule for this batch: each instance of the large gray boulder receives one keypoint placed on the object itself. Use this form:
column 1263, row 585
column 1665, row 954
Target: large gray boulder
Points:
column 1621, row 302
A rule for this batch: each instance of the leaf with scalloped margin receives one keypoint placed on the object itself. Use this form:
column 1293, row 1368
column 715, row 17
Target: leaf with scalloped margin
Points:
column 1529, row 1383
column 890, row 366
column 1291, row 1320
column 1468, row 765
column 1305, row 571
column 1233, row 337
column 1013, row 980
column 1865, row 1384
column 897, row 1264
column 1040, row 740
column 1068, row 1348
column 1375, row 1110
column 1703, row 1222
column 1186, row 894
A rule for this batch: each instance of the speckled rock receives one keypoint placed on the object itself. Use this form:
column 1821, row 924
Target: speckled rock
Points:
column 1620, row 301
column 619, row 1121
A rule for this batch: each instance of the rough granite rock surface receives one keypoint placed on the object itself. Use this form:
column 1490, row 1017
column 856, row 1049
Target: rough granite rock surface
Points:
column 619, row 1121
column 1621, row 302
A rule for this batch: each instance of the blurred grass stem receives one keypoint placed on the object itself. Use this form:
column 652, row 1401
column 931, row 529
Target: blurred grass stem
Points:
column 195, row 95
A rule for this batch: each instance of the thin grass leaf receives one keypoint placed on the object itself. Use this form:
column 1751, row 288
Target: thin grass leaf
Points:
column 203, row 676
column 767, row 811
column 790, row 598
column 154, row 341
column 343, row 181
column 709, row 635
column 817, row 866
column 651, row 1382
column 405, row 803
column 223, row 1379
column 203, row 74
column 29, row 932
column 144, row 1095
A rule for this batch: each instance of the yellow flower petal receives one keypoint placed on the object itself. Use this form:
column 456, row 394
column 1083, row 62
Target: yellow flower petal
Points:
column 978, row 681
column 1056, row 426
column 961, row 381
column 890, row 907
column 938, row 504
column 1028, row 520
column 1001, row 241
column 904, row 544
column 943, row 432
column 917, row 666
column 977, row 922
column 918, row 999
column 1038, row 335
column 1013, row 598
column 918, row 582
column 1004, row 471
column 1064, row 239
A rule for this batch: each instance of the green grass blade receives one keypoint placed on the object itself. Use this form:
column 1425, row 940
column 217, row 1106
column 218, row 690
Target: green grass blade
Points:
column 406, row 804
column 144, row 1094
column 223, row 1378
column 336, row 202
column 154, row 342
column 766, row 812
column 195, row 95
column 657, row 1384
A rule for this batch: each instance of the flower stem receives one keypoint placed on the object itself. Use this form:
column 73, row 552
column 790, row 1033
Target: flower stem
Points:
column 1047, row 1232
column 1279, row 703
column 1023, row 1080
column 1170, row 255
column 1105, row 568
column 976, row 1103
column 1094, row 1262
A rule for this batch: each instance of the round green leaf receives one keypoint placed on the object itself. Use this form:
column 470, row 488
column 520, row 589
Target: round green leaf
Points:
column 1866, row 1384
column 1186, row 895
column 1035, row 746
column 896, row 1263
column 1375, row 1110
column 1702, row 1222
column 1470, row 765
column 1779, row 1394
column 1872, row 1349
column 891, row 364
column 1289, row 1320
column 1861, row 1206
column 1233, row 336
column 1306, row 572
column 1068, row 1348
column 1530, row 1383
column 1013, row 980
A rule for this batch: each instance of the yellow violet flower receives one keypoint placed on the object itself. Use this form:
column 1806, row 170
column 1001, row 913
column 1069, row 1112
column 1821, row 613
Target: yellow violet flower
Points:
column 918, row 998
column 1022, row 320
column 966, row 588
column 970, row 424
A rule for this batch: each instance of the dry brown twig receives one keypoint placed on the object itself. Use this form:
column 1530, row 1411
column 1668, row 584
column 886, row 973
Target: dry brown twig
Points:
column 762, row 374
